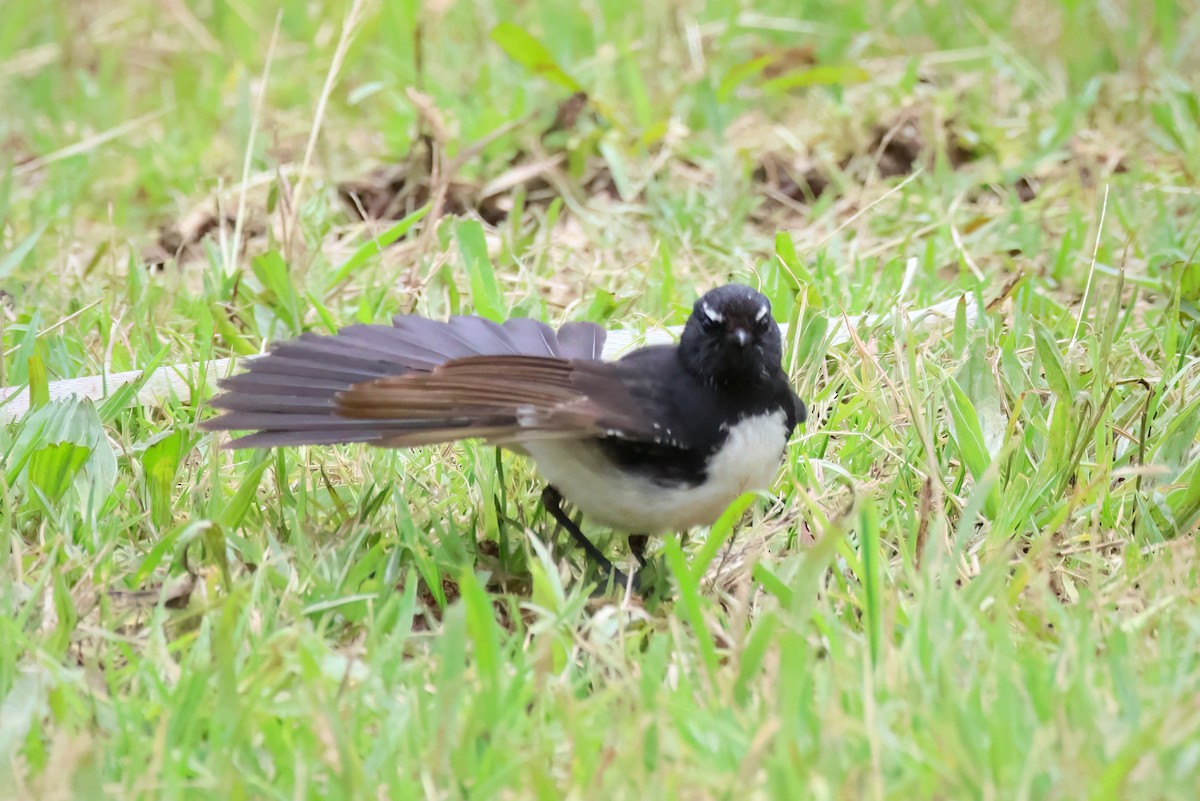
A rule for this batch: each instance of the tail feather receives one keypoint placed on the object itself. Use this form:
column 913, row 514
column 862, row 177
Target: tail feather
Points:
column 397, row 346
column 532, row 337
column 343, row 352
column 274, row 382
column 581, row 341
column 483, row 334
column 319, row 366
column 245, row 400
column 266, row 420
column 289, row 396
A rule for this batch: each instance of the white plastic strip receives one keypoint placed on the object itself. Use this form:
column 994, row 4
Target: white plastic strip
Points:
column 176, row 381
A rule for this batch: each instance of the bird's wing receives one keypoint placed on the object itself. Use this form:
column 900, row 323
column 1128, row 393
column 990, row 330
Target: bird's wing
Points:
column 502, row 399
column 420, row 381
column 800, row 413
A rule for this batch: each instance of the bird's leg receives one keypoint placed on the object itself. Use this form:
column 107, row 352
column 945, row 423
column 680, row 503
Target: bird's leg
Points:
column 637, row 547
column 552, row 500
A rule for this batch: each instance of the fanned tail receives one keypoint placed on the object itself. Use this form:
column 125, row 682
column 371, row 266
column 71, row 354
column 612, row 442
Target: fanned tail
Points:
column 290, row 396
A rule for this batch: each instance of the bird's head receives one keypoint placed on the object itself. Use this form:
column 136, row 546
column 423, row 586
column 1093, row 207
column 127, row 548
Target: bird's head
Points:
column 731, row 337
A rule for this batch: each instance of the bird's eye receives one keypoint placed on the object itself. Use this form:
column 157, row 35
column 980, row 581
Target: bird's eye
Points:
column 762, row 320
column 710, row 319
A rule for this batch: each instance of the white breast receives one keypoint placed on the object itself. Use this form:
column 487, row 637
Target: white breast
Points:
column 747, row 461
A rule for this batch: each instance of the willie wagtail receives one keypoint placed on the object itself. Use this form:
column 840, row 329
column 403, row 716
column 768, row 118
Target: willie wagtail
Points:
column 659, row 441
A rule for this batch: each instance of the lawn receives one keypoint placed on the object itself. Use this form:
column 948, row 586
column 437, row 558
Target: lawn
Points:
column 977, row 575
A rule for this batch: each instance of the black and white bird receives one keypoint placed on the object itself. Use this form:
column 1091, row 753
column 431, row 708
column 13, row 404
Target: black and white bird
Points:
column 661, row 440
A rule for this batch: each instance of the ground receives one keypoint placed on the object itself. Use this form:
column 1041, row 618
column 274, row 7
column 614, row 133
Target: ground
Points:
column 976, row 575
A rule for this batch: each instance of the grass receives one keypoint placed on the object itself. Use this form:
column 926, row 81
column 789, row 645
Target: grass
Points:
column 976, row 576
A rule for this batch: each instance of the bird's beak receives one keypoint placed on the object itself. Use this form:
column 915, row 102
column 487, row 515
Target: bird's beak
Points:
column 741, row 336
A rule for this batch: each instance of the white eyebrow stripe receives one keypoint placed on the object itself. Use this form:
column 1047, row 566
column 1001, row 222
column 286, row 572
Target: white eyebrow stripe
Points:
column 712, row 313
column 762, row 312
